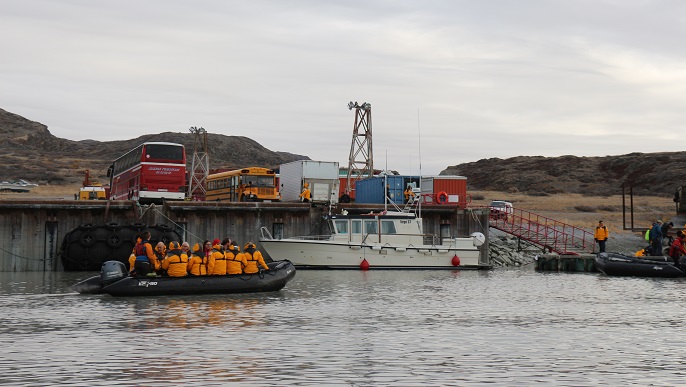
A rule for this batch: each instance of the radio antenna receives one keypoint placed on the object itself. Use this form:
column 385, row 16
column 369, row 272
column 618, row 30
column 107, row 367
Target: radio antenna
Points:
column 419, row 144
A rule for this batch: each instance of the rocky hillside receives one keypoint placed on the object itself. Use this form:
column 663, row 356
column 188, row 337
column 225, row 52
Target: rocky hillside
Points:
column 29, row 151
column 647, row 173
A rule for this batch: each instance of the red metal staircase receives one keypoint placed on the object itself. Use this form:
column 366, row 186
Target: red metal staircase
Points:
column 548, row 233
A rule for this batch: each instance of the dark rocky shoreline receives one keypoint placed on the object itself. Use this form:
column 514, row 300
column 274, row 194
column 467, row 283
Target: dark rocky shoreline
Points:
column 504, row 248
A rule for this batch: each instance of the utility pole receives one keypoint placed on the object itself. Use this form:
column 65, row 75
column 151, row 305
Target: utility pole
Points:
column 200, row 166
column 361, row 160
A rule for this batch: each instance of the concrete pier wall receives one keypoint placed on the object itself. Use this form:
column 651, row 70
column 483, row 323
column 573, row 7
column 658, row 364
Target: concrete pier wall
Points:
column 32, row 232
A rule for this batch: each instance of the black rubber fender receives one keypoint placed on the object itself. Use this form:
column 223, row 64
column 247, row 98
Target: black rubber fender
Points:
column 139, row 226
column 164, row 227
column 87, row 239
column 113, row 226
column 114, row 240
column 87, row 227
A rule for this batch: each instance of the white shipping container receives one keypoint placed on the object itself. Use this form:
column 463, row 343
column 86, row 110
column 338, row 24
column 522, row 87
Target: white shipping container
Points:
column 322, row 177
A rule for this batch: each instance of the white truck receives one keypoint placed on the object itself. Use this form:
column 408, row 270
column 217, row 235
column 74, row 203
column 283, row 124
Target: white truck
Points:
column 321, row 177
column 501, row 209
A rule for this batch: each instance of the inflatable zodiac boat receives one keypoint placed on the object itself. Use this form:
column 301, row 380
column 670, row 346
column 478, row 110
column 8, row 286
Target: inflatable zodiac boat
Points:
column 615, row 264
column 115, row 280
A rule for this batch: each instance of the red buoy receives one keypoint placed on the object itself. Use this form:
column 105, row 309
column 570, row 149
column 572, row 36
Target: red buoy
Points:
column 364, row 265
column 456, row 260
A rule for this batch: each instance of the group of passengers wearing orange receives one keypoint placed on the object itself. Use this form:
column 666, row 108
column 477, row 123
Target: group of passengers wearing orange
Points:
column 215, row 258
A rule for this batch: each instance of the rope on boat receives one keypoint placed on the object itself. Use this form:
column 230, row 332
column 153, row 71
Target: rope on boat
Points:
column 26, row 258
column 153, row 207
column 476, row 218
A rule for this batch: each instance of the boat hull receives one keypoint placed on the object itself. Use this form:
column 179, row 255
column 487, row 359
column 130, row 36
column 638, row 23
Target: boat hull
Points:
column 613, row 264
column 308, row 254
column 274, row 279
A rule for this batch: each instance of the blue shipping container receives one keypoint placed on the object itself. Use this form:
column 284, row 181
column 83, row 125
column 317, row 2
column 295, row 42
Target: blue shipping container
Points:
column 371, row 190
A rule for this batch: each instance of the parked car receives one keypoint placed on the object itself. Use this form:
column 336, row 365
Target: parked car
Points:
column 501, row 209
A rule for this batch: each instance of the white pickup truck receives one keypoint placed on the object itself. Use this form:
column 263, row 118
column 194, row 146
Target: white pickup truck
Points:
column 501, row 209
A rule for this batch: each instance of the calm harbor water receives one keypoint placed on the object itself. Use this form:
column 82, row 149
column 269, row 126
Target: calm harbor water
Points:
column 505, row 327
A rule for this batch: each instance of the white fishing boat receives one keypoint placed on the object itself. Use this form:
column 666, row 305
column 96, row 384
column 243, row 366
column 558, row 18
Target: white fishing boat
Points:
column 17, row 186
column 385, row 240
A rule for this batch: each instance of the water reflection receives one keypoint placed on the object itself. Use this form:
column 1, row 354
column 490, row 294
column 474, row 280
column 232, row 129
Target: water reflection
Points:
column 194, row 312
column 502, row 328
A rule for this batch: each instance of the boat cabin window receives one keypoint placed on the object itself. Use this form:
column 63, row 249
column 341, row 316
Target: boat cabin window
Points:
column 387, row 227
column 370, row 227
column 357, row 227
column 341, row 226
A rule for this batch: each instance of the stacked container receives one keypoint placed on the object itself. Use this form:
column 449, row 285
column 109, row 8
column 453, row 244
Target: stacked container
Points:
column 373, row 190
column 321, row 176
column 444, row 189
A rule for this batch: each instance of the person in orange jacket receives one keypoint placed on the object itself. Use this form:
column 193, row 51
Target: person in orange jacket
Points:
column 186, row 247
column 253, row 257
column 132, row 257
column 305, row 196
column 197, row 263
column 146, row 260
column 601, row 235
column 160, row 251
column 235, row 260
column 176, row 261
column 216, row 265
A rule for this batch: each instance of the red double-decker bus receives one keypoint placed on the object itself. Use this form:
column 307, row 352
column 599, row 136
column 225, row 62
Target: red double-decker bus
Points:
column 150, row 173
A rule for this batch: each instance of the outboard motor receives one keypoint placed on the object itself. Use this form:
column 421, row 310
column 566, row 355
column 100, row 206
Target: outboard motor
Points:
column 111, row 272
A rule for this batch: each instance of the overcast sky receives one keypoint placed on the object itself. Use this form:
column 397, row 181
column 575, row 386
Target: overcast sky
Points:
column 449, row 81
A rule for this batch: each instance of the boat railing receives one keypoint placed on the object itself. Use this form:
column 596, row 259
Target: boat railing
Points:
column 312, row 237
column 264, row 232
column 266, row 235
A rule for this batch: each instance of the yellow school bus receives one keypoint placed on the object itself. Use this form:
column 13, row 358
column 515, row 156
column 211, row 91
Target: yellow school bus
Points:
column 252, row 184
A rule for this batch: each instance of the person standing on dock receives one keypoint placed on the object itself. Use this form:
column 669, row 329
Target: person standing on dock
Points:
column 601, row 235
column 409, row 195
column 305, row 196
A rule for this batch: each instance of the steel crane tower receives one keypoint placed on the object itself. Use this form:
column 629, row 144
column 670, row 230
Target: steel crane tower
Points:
column 200, row 166
column 361, row 160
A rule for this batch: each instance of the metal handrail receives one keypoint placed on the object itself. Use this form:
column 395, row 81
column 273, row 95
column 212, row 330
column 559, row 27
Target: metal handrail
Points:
column 549, row 233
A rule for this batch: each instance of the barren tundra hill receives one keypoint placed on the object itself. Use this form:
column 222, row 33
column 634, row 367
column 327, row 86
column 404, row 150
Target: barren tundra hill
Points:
column 657, row 174
column 29, row 151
